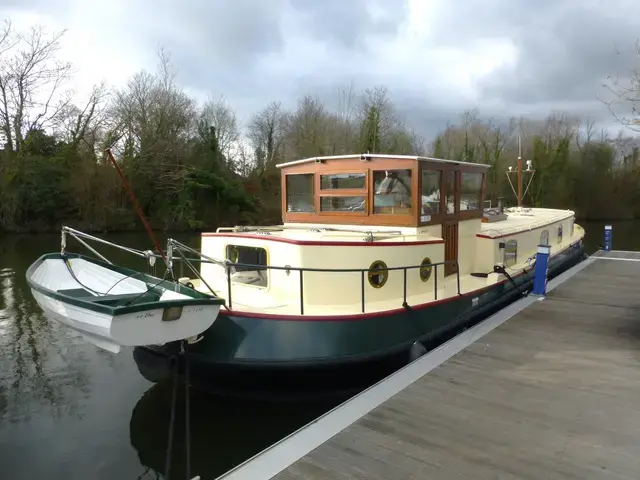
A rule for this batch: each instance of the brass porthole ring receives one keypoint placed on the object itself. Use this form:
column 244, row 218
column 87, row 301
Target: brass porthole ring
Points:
column 425, row 269
column 378, row 274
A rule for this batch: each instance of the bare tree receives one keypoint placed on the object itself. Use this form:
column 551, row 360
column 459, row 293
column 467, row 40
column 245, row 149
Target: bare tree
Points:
column 217, row 113
column 626, row 93
column 85, row 124
column 152, row 114
column 376, row 107
column 31, row 79
column 267, row 134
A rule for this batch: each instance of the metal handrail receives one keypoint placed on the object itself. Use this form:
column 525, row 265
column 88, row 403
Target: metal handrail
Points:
column 177, row 247
column 362, row 271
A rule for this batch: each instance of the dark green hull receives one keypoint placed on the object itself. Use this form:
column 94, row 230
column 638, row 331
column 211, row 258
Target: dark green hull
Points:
column 241, row 351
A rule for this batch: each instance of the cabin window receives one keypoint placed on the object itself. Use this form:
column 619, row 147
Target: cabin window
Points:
column 300, row 193
column 431, row 192
column 343, row 192
column 573, row 225
column 392, row 192
column 544, row 237
column 378, row 274
column 425, row 269
column 559, row 233
column 343, row 204
column 511, row 253
column 253, row 270
column 449, row 184
column 343, row 180
column 470, row 191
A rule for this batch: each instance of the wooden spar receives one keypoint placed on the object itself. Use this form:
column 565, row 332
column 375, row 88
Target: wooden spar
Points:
column 519, row 167
column 134, row 200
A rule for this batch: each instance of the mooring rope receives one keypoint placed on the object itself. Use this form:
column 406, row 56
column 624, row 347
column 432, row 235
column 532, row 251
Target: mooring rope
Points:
column 183, row 354
column 172, row 419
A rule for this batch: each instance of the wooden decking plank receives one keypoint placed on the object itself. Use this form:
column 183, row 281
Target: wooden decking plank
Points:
column 552, row 393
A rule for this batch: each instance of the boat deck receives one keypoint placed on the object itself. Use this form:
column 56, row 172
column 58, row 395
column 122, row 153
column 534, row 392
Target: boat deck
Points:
column 543, row 389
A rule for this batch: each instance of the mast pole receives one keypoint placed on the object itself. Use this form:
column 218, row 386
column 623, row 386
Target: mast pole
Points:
column 519, row 167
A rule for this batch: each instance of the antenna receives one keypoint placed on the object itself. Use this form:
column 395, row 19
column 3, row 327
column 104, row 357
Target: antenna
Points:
column 519, row 194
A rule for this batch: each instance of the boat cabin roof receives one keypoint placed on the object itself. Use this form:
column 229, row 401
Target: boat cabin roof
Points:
column 379, row 189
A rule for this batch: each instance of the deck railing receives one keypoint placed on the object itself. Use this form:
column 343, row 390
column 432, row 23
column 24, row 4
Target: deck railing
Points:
column 176, row 253
column 361, row 271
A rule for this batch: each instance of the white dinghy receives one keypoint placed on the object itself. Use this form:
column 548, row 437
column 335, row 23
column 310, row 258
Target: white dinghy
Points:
column 113, row 306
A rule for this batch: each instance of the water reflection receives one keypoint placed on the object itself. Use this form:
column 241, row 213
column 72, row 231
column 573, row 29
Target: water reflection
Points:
column 90, row 414
column 224, row 432
column 34, row 354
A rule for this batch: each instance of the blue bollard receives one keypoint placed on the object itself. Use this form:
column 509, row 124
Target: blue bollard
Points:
column 540, row 275
column 608, row 237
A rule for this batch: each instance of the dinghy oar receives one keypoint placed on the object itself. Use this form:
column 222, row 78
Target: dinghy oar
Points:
column 134, row 200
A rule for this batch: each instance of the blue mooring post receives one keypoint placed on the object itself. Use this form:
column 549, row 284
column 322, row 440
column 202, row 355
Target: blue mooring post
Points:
column 608, row 234
column 540, row 275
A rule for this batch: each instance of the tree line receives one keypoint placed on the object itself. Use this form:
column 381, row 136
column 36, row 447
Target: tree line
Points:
column 193, row 166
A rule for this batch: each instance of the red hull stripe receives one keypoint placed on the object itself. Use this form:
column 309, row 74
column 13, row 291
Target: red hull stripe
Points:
column 323, row 243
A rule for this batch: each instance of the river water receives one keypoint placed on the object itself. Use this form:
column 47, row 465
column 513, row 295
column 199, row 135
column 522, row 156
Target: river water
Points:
column 71, row 411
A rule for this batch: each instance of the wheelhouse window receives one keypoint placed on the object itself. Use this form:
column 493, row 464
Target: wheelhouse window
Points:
column 392, row 192
column 343, row 192
column 252, row 270
column 299, row 190
column 336, row 181
column 470, row 191
column 449, row 184
column 544, row 237
column 511, row 253
column 343, row 204
column 560, row 234
column 431, row 192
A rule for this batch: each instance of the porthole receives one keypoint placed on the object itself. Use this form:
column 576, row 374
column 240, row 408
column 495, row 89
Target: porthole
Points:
column 425, row 269
column 378, row 274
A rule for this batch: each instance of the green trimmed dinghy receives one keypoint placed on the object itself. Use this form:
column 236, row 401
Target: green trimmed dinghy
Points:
column 114, row 306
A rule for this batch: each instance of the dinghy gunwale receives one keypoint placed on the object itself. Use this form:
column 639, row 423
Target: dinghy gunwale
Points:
column 196, row 297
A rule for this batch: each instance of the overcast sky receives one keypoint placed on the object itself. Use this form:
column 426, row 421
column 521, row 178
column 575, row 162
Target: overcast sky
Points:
column 437, row 57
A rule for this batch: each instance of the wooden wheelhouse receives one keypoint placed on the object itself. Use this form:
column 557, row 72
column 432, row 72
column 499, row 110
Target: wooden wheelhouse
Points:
column 384, row 190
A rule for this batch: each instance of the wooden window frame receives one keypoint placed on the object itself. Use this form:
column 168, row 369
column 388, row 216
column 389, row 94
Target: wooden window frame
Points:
column 342, row 192
column 457, row 215
column 373, row 163
column 481, row 199
column 401, row 219
column 297, row 216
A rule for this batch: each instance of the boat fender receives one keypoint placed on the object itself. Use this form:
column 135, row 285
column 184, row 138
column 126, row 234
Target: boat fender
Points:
column 186, row 281
column 416, row 351
column 151, row 258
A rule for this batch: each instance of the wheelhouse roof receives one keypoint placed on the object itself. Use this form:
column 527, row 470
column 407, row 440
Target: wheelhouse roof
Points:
column 379, row 155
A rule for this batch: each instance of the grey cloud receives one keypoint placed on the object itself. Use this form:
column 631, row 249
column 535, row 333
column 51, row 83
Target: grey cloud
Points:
column 566, row 48
column 348, row 23
column 566, row 57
